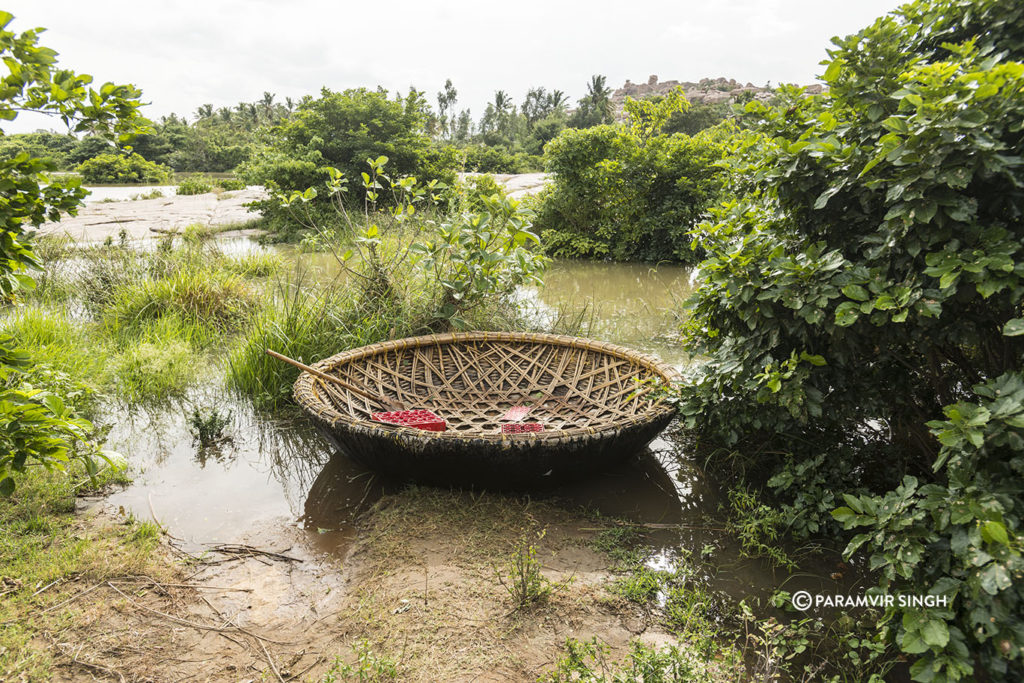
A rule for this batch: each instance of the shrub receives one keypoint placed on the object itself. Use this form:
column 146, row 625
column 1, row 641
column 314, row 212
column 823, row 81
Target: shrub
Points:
column 208, row 426
column 211, row 300
column 872, row 274
column 488, row 159
column 38, row 427
column 195, row 184
column 521, row 575
column 120, row 168
column 588, row 661
column 468, row 194
column 157, row 368
column 341, row 131
column 229, row 184
column 616, row 194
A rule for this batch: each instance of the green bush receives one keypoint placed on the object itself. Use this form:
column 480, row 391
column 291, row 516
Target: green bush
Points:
column 229, row 184
column 870, row 280
column 196, row 184
column 37, row 426
column 486, row 159
column 212, row 300
column 338, row 130
column 120, row 168
column 616, row 194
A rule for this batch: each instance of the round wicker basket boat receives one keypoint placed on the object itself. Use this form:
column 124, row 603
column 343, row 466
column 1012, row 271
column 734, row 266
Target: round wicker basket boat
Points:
column 594, row 400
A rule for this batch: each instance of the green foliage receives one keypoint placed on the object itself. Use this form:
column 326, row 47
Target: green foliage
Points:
column 38, row 426
column 229, row 184
column 194, row 185
column 697, row 117
column 846, row 648
column 43, row 145
column 521, row 575
column 338, row 130
column 119, row 168
column 647, row 117
column 485, row 159
column 471, row 258
column 871, row 274
column 208, row 426
column 480, row 257
column 587, row 662
column 618, row 194
column 368, row 667
column 758, row 528
column 959, row 538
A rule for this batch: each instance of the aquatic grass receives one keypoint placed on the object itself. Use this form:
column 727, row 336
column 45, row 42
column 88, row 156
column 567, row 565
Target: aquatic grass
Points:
column 160, row 366
column 255, row 264
column 211, row 300
column 305, row 321
column 641, row 585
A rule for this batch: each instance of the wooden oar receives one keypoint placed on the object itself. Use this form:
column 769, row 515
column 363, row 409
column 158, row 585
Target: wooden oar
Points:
column 388, row 404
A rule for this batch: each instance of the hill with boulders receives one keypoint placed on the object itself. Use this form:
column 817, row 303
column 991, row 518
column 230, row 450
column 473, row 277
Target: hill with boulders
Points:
column 705, row 91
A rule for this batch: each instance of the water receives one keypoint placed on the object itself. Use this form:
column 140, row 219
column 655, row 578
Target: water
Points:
column 120, row 193
column 275, row 470
column 633, row 304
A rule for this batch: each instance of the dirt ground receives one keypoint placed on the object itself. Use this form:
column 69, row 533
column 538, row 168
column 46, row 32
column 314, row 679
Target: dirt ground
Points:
column 417, row 586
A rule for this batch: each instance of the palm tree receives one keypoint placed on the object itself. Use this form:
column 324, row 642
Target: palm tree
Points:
column 204, row 111
column 557, row 101
column 267, row 108
column 502, row 103
column 535, row 106
column 599, row 97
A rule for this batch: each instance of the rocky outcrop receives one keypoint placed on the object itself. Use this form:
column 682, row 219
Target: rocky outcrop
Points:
column 707, row 90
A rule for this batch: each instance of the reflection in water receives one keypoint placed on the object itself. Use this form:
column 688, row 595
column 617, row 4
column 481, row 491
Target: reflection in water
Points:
column 263, row 473
column 633, row 304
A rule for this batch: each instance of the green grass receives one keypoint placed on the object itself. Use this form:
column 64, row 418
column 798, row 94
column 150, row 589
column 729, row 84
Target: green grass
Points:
column 211, row 301
column 42, row 541
column 255, row 264
column 307, row 322
column 134, row 325
column 590, row 662
column 161, row 366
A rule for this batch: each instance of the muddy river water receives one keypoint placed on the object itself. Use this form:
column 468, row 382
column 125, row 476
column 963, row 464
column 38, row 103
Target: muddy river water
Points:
column 276, row 471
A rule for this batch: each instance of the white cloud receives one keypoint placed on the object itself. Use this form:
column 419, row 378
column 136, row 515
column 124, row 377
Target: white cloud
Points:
column 187, row 53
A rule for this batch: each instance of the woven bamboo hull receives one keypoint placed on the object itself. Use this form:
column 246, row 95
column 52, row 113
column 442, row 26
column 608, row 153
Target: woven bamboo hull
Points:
column 478, row 462
column 591, row 397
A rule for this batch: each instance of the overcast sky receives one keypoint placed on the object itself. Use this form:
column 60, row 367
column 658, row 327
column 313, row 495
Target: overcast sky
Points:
column 186, row 53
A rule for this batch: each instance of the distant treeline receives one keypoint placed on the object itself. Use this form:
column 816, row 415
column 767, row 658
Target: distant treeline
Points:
column 509, row 137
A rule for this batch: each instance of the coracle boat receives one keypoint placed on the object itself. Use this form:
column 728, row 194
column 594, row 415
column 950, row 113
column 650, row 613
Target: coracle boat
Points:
column 593, row 402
